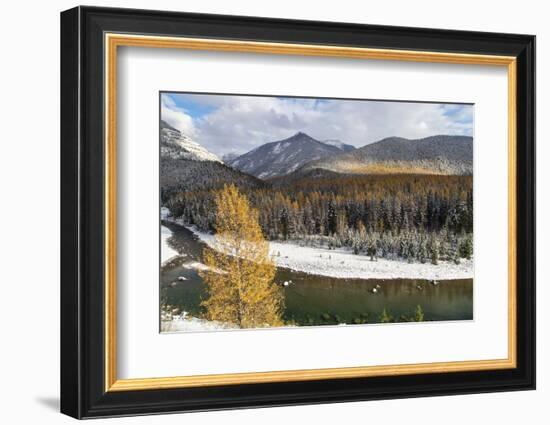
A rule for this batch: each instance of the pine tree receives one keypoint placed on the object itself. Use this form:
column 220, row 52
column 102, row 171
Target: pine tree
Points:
column 284, row 222
column 360, row 237
column 434, row 251
column 385, row 317
column 418, row 314
column 371, row 248
column 422, row 250
column 341, row 223
column 240, row 273
column 362, row 231
column 466, row 248
column 331, row 218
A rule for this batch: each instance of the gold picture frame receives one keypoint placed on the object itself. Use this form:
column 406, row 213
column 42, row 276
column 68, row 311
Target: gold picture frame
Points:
column 91, row 40
column 114, row 41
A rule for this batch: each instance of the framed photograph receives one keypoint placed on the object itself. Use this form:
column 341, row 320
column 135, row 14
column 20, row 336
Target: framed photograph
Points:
column 261, row 212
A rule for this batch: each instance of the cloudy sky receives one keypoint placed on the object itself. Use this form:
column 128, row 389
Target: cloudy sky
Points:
column 228, row 123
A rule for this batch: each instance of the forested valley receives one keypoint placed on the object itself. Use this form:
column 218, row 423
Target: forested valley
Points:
column 417, row 218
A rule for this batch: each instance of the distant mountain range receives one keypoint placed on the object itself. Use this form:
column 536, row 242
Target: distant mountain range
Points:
column 285, row 156
column 452, row 155
column 188, row 166
column 175, row 145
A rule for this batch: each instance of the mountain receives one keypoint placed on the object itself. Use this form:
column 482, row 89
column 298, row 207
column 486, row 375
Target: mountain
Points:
column 339, row 144
column 186, row 166
column 175, row 145
column 228, row 157
column 283, row 157
column 451, row 155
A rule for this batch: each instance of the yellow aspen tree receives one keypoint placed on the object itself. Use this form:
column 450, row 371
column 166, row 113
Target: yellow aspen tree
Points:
column 240, row 272
column 341, row 223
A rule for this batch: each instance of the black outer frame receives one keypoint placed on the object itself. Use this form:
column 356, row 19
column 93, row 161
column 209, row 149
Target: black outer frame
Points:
column 82, row 207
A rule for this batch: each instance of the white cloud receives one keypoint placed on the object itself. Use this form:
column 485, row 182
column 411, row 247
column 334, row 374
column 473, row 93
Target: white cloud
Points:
column 241, row 123
column 176, row 117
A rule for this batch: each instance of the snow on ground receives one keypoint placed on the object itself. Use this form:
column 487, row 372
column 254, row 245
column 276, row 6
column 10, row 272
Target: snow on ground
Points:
column 342, row 263
column 166, row 251
column 185, row 323
column 165, row 213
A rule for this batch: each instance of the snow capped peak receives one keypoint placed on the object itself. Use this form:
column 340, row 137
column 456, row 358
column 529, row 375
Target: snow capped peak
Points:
column 175, row 145
column 338, row 144
column 300, row 135
column 283, row 157
column 195, row 150
column 333, row 142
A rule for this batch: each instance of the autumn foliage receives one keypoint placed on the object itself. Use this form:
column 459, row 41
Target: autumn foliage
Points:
column 419, row 218
column 240, row 272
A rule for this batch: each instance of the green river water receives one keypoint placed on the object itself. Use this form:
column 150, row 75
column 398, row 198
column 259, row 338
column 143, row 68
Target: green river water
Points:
column 320, row 300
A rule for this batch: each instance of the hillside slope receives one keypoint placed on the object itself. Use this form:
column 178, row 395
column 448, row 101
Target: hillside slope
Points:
column 449, row 155
column 284, row 156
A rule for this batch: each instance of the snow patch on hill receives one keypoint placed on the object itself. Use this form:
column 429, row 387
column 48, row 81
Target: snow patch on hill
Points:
column 339, row 144
column 175, row 145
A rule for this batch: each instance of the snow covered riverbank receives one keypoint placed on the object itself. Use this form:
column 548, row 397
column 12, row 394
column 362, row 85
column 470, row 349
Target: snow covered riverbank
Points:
column 342, row 263
column 166, row 251
column 185, row 323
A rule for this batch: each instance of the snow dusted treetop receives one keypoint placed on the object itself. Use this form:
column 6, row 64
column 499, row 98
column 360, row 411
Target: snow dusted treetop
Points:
column 175, row 145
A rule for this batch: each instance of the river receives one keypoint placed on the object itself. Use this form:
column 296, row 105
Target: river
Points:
column 320, row 300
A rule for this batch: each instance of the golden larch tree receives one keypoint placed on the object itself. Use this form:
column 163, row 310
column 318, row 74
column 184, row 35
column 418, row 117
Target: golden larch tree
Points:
column 240, row 272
